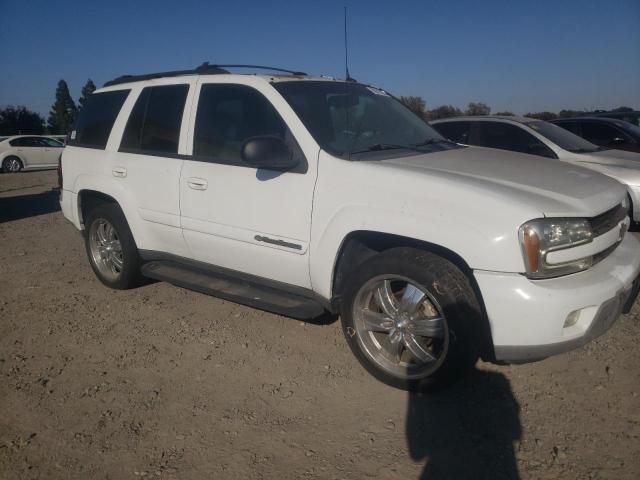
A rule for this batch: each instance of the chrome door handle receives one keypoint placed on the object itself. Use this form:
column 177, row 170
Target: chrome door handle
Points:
column 120, row 172
column 197, row 183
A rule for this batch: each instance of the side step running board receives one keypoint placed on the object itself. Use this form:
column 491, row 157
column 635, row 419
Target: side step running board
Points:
column 236, row 290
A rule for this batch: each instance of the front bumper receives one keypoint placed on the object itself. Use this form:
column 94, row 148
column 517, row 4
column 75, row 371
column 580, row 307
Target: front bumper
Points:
column 527, row 318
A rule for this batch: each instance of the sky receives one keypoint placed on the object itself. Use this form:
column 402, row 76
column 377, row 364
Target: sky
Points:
column 516, row 55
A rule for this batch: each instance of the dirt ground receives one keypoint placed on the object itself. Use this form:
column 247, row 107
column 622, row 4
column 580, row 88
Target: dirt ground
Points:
column 161, row 382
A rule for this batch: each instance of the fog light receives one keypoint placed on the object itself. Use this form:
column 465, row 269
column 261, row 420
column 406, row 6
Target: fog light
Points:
column 572, row 319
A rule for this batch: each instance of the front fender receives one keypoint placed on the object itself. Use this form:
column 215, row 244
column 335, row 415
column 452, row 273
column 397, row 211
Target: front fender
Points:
column 480, row 250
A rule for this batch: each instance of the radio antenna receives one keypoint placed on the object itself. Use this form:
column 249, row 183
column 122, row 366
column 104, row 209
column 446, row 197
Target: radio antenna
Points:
column 346, row 48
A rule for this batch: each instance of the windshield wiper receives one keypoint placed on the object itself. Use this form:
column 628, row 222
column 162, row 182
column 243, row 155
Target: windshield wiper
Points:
column 583, row 150
column 377, row 147
column 432, row 141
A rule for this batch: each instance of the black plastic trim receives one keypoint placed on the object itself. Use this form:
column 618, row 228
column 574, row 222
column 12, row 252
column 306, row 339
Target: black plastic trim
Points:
column 152, row 255
column 302, row 168
column 204, row 69
column 281, row 243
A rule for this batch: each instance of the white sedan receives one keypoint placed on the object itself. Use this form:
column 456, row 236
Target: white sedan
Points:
column 536, row 137
column 26, row 152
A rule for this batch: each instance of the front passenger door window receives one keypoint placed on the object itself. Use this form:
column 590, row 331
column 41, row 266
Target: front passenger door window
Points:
column 229, row 115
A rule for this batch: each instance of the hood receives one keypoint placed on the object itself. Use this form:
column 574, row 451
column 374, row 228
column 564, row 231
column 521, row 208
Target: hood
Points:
column 551, row 187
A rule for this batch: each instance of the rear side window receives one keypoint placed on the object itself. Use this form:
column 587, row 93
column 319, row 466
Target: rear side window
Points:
column 154, row 124
column 455, row 131
column 573, row 127
column 508, row 137
column 26, row 142
column 96, row 119
column 230, row 114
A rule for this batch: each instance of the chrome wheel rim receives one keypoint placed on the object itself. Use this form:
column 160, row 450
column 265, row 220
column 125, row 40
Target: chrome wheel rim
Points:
column 13, row 165
column 106, row 250
column 400, row 326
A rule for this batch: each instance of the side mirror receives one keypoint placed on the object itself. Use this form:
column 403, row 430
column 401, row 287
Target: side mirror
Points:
column 268, row 152
column 617, row 141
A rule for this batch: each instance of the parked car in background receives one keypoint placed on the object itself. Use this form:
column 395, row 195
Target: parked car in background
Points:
column 631, row 117
column 544, row 139
column 26, row 152
column 605, row 132
column 301, row 195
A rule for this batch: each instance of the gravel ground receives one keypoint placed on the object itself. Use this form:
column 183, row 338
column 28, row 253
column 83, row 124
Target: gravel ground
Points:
column 162, row 382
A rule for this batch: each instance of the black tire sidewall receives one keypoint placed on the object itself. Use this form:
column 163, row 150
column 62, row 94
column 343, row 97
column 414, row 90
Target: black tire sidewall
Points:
column 449, row 287
column 130, row 275
column 5, row 160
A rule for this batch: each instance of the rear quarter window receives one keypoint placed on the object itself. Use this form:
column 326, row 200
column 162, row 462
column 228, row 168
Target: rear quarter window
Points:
column 96, row 119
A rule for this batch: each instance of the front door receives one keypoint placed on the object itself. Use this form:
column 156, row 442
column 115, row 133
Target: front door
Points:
column 235, row 216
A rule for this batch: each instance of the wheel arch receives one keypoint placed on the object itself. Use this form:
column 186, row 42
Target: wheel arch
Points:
column 359, row 245
column 88, row 198
column 9, row 154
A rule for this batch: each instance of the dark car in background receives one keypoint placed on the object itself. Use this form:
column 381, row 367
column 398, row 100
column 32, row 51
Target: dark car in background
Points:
column 627, row 116
column 604, row 132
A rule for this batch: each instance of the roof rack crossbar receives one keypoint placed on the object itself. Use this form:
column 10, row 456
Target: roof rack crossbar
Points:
column 205, row 68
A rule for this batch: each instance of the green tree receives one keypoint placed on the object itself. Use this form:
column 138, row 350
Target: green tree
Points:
column 63, row 112
column 87, row 90
column 570, row 113
column 19, row 120
column 444, row 111
column 546, row 116
column 623, row 109
column 506, row 114
column 416, row 104
column 478, row 108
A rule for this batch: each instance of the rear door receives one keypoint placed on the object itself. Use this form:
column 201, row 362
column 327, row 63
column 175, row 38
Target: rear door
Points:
column 148, row 163
column 251, row 220
column 30, row 150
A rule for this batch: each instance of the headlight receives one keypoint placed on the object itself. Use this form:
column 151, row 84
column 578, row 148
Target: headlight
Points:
column 626, row 204
column 544, row 235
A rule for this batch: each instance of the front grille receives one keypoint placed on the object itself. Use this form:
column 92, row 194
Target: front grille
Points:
column 598, row 257
column 607, row 220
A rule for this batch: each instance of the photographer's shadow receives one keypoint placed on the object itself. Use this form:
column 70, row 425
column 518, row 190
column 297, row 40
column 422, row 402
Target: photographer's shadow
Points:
column 466, row 431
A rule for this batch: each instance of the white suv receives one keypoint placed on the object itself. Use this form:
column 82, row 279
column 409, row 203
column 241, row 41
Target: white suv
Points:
column 303, row 195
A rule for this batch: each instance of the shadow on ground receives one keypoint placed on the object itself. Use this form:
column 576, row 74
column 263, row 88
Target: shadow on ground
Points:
column 25, row 206
column 466, row 431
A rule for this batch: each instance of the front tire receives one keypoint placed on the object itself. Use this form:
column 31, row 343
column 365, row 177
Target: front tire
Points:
column 12, row 165
column 412, row 319
column 111, row 249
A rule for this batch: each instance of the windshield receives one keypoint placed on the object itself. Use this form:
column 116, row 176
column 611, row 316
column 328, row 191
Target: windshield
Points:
column 348, row 118
column 631, row 128
column 563, row 138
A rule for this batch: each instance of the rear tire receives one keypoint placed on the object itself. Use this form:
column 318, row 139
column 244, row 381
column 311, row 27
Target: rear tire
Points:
column 111, row 249
column 12, row 165
column 412, row 319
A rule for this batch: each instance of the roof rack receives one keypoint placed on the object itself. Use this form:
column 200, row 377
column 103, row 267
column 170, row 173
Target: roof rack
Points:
column 204, row 69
